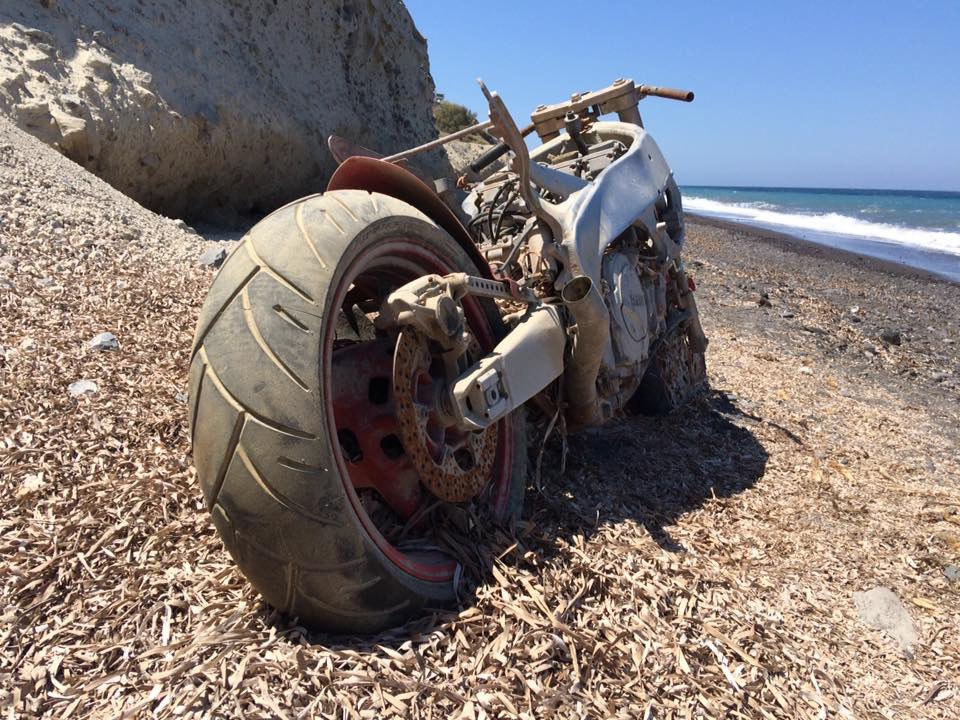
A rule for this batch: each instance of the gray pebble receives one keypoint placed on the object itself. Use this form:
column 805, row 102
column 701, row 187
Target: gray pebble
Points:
column 183, row 226
column 82, row 387
column 891, row 336
column 213, row 258
column 881, row 609
column 104, row 341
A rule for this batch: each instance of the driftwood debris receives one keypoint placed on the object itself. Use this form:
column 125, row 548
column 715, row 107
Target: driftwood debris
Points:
column 700, row 565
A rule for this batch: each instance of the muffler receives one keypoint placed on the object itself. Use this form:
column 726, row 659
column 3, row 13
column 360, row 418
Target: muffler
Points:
column 585, row 303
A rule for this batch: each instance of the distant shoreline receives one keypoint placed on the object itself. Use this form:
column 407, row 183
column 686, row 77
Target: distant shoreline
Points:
column 801, row 246
column 829, row 190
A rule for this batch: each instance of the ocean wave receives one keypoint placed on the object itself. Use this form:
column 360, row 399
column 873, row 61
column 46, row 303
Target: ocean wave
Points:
column 827, row 224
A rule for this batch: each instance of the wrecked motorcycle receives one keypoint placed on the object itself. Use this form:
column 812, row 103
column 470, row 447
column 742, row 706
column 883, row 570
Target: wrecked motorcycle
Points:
column 368, row 356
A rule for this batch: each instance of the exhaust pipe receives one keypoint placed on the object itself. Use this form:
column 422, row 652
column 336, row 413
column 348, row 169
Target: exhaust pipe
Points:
column 593, row 332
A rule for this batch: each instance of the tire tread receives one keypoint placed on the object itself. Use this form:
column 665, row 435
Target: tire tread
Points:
column 273, row 489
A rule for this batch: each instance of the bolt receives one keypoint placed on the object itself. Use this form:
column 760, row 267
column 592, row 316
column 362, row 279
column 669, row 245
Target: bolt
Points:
column 541, row 107
column 619, row 81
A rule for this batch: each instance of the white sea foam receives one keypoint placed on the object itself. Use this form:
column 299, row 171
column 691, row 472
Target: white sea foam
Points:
column 826, row 224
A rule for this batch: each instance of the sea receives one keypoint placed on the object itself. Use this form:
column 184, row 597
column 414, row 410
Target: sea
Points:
column 917, row 228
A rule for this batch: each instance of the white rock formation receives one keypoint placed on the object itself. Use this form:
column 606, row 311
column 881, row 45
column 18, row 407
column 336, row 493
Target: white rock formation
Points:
column 200, row 108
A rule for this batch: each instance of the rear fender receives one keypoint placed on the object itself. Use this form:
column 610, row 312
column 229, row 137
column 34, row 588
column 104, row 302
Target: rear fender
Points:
column 366, row 173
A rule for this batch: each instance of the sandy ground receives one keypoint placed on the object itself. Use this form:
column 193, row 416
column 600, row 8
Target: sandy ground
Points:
column 699, row 565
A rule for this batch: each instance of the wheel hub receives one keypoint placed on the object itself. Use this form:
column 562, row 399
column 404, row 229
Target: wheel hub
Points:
column 453, row 464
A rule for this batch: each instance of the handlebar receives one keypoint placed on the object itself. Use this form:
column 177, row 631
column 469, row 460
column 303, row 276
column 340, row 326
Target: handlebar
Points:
column 496, row 152
column 664, row 92
column 621, row 97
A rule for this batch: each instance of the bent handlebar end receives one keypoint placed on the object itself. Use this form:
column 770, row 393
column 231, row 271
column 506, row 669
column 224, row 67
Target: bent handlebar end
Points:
column 665, row 92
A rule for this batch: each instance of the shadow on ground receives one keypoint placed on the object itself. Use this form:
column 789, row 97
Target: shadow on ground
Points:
column 651, row 470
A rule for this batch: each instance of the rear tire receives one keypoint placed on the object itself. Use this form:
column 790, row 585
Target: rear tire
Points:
column 267, row 458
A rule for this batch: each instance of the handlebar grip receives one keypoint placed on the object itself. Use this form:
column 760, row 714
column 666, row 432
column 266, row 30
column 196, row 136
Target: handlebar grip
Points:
column 490, row 156
column 668, row 93
column 495, row 153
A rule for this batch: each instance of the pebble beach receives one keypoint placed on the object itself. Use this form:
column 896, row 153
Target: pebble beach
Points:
column 787, row 546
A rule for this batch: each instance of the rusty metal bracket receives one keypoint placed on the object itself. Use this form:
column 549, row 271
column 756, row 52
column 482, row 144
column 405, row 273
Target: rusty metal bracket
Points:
column 504, row 124
column 431, row 303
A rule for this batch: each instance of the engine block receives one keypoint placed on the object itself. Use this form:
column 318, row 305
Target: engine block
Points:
column 637, row 299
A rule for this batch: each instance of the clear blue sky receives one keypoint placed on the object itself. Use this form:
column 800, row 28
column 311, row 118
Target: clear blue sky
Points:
column 812, row 94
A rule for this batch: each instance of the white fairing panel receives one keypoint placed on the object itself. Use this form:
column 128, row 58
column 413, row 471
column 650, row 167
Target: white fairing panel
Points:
column 625, row 193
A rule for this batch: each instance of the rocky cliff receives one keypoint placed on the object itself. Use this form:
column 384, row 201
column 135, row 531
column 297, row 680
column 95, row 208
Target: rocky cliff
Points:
column 217, row 108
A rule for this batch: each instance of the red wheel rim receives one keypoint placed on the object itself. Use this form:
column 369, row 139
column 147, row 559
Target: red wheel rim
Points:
column 396, row 261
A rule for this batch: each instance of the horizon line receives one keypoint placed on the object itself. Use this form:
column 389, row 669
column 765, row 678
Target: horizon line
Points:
column 810, row 187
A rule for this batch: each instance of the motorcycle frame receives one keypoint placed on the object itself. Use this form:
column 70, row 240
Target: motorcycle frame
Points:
column 585, row 223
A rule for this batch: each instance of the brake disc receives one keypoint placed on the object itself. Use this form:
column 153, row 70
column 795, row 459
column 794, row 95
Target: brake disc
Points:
column 452, row 464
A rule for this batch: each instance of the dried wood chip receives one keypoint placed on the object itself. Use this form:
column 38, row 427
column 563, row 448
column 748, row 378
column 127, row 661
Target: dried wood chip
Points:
column 700, row 564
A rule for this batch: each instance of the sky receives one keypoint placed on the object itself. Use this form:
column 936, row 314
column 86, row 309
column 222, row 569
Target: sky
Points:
column 844, row 94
